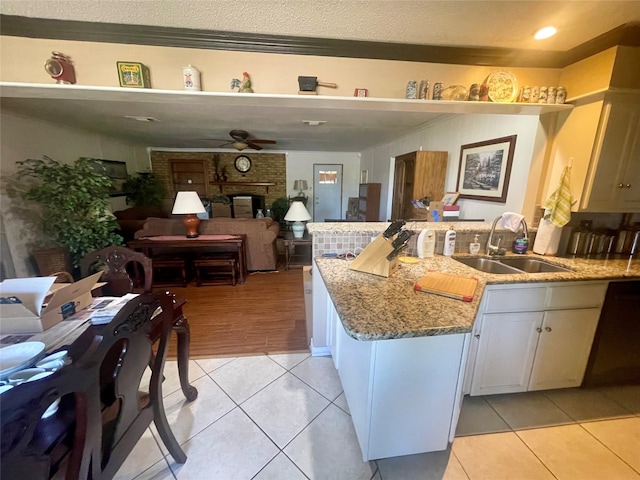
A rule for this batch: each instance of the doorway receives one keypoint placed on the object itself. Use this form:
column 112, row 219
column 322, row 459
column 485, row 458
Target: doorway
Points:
column 327, row 192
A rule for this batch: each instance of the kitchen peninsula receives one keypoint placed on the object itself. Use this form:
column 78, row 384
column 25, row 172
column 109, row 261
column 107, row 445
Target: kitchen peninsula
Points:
column 402, row 355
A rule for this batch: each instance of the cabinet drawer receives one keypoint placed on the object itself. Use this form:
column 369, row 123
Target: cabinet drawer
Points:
column 515, row 299
column 576, row 296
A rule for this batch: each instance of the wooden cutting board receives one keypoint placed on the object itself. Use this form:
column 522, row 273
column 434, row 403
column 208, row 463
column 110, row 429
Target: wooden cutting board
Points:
column 448, row 285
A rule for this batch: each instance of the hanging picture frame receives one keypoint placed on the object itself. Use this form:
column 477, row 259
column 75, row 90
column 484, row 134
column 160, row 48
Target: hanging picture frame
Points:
column 485, row 168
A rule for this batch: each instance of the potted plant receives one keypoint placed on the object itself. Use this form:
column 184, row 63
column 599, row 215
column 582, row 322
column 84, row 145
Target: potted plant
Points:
column 279, row 209
column 73, row 200
column 144, row 190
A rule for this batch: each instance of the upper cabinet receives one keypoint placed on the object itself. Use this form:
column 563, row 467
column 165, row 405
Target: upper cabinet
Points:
column 417, row 175
column 601, row 140
column 613, row 179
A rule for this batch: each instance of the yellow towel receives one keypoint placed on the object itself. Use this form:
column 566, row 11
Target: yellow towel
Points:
column 558, row 205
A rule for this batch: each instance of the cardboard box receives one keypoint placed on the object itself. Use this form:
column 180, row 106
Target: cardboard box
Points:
column 220, row 210
column 133, row 74
column 42, row 303
column 242, row 207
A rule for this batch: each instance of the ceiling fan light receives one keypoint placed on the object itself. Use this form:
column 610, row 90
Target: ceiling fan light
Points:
column 545, row 32
column 239, row 146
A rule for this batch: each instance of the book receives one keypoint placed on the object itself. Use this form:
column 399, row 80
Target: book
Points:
column 108, row 307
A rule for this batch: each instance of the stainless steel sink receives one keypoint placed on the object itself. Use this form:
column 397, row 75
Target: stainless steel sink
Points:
column 533, row 265
column 486, row 265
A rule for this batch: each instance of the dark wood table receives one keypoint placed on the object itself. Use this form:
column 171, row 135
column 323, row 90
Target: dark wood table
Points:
column 303, row 258
column 199, row 244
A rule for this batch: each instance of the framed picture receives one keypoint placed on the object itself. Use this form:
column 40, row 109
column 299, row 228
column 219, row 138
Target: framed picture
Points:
column 364, row 176
column 450, row 198
column 485, row 168
column 360, row 92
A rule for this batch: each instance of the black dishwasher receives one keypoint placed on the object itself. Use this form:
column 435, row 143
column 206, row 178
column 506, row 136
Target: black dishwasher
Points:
column 615, row 355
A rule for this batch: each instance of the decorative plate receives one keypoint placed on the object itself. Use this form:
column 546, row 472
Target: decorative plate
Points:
column 503, row 87
column 454, row 92
column 21, row 355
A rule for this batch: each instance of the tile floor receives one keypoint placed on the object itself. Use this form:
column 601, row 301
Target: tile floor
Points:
column 285, row 417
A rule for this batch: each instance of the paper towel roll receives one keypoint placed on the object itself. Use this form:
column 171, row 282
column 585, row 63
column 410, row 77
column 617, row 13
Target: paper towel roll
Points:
column 547, row 238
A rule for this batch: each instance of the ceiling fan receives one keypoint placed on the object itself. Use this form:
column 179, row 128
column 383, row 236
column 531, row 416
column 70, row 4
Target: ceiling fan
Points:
column 240, row 140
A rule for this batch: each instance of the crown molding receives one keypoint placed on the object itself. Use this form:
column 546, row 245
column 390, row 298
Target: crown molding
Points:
column 11, row 25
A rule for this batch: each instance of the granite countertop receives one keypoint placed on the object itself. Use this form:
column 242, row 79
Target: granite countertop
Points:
column 377, row 308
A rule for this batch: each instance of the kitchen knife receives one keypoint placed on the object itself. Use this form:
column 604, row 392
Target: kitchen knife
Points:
column 394, row 228
column 399, row 243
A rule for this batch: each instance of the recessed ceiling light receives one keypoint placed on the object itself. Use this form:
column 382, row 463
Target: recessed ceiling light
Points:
column 545, row 32
column 142, row 119
column 314, row 123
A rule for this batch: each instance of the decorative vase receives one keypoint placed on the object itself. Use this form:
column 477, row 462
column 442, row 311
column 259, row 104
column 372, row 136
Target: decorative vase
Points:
column 259, row 214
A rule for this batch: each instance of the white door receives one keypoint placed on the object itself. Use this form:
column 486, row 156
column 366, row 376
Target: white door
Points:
column 327, row 192
column 563, row 349
column 505, row 352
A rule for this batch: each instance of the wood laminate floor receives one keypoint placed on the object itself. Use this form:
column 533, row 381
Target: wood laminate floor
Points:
column 264, row 315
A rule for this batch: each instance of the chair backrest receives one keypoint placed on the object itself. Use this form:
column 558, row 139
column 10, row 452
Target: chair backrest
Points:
column 100, row 417
column 122, row 269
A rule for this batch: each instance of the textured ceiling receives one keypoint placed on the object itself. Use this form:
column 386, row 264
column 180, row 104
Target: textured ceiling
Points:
column 508, row 24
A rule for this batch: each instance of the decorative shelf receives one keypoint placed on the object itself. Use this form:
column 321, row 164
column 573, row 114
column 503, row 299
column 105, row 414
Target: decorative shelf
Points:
column 244, row 184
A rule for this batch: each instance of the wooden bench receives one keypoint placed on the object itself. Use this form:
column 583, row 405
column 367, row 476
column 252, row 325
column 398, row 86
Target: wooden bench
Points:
column 225, row 265
column 171, row 262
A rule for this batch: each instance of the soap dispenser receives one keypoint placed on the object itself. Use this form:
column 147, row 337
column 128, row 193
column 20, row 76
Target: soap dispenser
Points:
column 426, row 243
column 474, row 247
column 449, row 242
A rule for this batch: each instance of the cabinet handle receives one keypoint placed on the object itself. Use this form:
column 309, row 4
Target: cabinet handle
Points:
column 538, row 330
column 477, row 335
column 548, row 329
column 620, row 185
column 628, row 185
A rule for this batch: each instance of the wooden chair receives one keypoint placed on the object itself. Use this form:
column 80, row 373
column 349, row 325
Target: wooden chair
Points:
column 102, row 413
column 62, row 277
column 122, row 269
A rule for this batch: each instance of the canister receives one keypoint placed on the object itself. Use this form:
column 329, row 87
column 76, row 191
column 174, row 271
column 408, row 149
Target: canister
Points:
column 543, row 95
column 411, row 92
column 535, row 94
column 437, row 90
column 561, row 95
column 474, row 92
column 424, row 89
column 190, row 78
column 551, row 95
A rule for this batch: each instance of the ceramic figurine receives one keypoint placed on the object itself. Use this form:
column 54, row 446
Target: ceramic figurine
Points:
column 244, row 85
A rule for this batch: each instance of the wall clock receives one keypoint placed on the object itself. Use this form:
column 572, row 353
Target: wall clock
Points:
column 242, row 164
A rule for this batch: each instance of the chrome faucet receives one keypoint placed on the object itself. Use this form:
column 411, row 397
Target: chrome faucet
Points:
column 495, row 249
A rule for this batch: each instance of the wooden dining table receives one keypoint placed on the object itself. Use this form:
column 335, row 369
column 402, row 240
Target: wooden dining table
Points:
column 201, row 244
column 66, row 334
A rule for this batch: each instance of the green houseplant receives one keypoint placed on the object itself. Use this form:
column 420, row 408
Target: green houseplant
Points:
column 144, row 190
column 73, row 200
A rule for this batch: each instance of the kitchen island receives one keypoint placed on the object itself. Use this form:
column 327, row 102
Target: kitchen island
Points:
column 402, row 355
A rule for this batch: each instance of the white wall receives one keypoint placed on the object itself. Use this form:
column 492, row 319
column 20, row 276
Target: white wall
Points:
column 300, row 167
column 23, row 138
column 449, row 134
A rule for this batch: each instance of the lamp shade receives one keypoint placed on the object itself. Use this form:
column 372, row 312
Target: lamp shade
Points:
column 188, row 202
column 297, row 214
column 300, row 185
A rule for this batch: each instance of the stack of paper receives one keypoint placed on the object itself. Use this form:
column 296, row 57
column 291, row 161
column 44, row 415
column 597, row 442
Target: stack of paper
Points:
column 104, row 312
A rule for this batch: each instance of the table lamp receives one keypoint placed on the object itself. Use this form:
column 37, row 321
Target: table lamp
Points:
column 297, row 214
column 300, row 185
column 189, row 205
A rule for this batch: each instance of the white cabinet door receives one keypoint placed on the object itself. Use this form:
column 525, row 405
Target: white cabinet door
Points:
column 612, row 180
column 563, row 348
column 505, row 352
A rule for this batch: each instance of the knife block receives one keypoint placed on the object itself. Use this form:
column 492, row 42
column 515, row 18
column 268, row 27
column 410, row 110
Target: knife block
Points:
column 373, row 259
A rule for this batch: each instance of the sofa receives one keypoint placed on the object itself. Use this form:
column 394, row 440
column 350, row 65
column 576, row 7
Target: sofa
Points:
column 132, row 219
column 261, row 235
